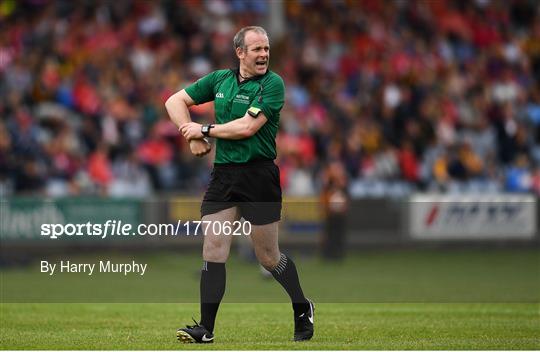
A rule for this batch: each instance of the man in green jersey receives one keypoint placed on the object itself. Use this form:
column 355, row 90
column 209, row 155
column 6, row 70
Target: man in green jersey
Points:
column 245, row 180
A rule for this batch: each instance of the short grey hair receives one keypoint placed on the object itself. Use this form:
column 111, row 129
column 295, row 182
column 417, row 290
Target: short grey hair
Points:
column 238, row 40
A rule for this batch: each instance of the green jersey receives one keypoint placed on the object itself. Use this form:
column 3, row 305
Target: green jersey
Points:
column 232, row 99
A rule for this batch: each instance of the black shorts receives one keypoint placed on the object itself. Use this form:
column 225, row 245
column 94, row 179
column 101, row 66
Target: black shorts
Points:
column 253, row 187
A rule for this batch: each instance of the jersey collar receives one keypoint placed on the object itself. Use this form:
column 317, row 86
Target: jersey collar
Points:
column 236, row 72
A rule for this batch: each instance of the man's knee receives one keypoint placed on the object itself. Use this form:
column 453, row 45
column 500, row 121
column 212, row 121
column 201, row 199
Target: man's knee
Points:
column 215, row 252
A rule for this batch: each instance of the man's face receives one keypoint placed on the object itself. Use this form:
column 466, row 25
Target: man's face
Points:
column 255, row 57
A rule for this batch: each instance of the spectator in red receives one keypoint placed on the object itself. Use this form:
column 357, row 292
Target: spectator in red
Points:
column 99, row 167
column 408, row 162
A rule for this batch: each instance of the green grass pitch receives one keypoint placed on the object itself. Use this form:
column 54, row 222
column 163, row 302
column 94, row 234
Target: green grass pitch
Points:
column 486, row 299
column 269, row 326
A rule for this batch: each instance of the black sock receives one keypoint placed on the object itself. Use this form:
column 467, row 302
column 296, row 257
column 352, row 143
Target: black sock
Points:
column 212, row 290
column 285, row 273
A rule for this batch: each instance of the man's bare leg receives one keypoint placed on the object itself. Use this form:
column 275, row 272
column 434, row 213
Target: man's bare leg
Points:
column 216, row 250
column 265, row 243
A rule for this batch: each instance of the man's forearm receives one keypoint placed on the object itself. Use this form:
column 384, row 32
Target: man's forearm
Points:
column 177, row 108
column 241, row 128
column 236, row 129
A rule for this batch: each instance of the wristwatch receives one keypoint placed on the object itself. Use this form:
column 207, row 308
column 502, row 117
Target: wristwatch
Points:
column 205, row 130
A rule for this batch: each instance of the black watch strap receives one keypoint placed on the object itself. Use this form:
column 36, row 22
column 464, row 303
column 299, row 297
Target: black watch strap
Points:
column 205, row 130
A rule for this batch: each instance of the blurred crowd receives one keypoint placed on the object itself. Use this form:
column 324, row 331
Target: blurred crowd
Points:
column 404, row 95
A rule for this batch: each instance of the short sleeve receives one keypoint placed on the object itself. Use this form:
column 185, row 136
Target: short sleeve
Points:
column 271, row 98
column 202, row 90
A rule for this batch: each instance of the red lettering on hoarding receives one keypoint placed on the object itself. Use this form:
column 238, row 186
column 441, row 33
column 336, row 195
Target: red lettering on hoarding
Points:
column 432, row 216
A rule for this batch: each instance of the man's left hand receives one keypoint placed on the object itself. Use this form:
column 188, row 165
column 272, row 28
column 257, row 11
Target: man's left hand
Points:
column 191, row 130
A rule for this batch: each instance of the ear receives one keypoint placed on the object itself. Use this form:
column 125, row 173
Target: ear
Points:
column 240, row 53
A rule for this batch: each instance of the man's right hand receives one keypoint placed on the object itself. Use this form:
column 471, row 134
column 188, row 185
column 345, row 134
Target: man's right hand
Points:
column 199, row 147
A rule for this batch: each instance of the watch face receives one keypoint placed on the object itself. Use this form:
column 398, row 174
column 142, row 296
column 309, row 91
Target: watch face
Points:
column 205, row 129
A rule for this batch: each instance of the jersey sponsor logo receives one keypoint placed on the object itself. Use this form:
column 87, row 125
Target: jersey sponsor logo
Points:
column 240, row 98
column 219, row 95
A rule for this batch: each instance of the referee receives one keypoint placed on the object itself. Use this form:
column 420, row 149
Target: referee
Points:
column 245, row 181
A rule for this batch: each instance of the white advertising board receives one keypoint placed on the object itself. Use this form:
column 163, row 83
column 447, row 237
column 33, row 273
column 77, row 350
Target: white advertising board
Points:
column 474, row 217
